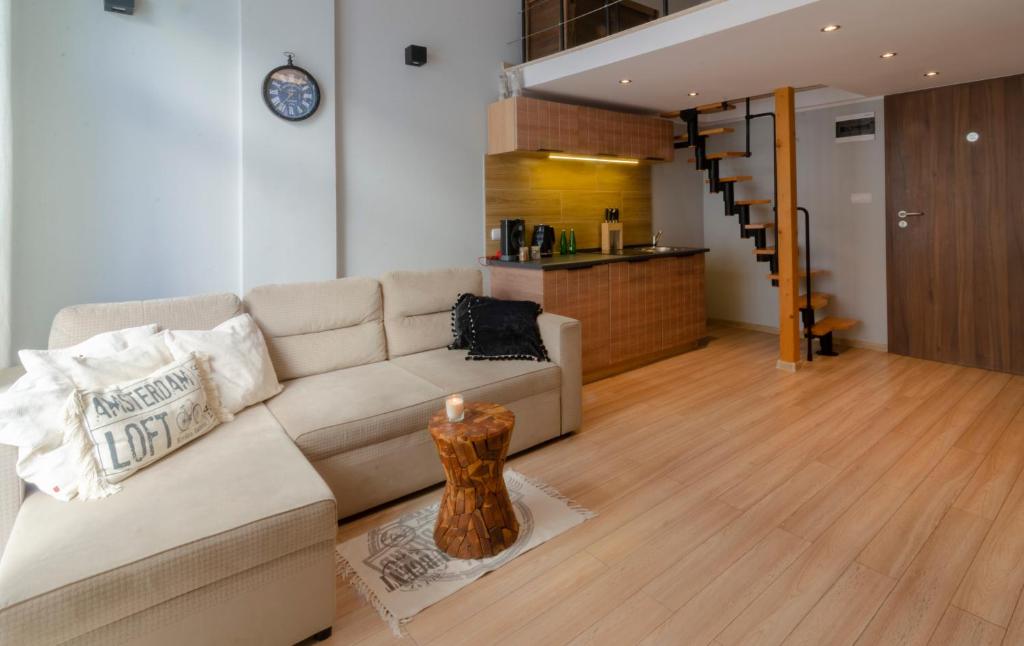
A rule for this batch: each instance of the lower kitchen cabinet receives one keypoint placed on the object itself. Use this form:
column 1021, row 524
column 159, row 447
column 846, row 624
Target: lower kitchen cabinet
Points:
column 631, row 313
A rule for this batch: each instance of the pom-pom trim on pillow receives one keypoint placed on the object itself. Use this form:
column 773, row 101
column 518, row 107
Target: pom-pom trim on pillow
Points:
column 460, row 340
column 476, row 352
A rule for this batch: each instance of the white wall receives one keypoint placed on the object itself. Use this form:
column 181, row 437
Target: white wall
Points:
column 128, row 153
column 289, row 203
column 675, row 211
column 6, row 196
column 847, row 239
column 411, row 141
column 126, row 145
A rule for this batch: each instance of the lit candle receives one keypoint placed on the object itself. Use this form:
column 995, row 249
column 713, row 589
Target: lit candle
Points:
column 454, row 407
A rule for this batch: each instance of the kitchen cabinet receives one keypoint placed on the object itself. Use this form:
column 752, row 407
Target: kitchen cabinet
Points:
column 631, row 313
column 526, row 124
column 655, row 306
column 581, row 294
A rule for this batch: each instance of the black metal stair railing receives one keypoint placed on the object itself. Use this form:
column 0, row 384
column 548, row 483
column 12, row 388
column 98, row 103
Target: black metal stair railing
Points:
column 808, row 309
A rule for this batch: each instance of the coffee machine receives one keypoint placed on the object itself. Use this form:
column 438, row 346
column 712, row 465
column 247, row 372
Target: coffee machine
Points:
column 544, row 237
column 513, row 237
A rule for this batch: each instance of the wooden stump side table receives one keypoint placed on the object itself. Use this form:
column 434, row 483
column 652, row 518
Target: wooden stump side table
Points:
column 475, row 518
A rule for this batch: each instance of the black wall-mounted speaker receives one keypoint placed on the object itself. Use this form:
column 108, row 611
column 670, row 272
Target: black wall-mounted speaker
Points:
column 416, row 55
column 119, row 6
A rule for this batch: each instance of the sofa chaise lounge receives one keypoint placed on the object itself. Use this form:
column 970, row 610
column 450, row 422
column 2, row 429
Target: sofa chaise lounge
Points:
column 230, row 540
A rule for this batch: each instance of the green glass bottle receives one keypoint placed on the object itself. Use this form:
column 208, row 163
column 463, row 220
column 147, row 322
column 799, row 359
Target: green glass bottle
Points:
column 572, row 242
column 563, row 244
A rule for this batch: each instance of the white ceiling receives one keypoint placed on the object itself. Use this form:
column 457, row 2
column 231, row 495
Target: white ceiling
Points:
column 730, row 49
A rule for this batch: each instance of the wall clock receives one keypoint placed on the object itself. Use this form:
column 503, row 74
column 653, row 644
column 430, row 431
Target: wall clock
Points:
column 291, row 92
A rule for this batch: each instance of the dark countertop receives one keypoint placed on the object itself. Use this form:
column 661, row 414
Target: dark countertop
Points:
column 589, row 258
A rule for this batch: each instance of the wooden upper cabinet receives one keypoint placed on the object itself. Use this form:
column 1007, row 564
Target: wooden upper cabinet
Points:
column 523, row 124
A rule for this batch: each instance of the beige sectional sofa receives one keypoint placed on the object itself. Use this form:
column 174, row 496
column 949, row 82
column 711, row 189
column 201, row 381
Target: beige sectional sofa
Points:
column 230, row 540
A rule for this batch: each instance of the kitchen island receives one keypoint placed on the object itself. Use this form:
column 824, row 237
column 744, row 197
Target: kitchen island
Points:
column 636, row 306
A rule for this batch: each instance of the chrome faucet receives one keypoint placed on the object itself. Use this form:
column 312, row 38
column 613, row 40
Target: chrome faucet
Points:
column 654, row 240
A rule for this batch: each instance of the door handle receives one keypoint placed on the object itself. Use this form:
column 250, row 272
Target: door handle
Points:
column 906, row 214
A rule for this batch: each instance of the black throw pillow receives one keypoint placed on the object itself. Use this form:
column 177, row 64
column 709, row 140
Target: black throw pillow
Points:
column 460, row 322
column 504, row 330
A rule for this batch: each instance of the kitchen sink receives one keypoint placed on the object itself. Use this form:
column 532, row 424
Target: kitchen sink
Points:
column 661, row 249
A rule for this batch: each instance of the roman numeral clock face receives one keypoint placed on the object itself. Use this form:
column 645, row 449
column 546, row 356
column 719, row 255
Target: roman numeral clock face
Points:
column 291, row 93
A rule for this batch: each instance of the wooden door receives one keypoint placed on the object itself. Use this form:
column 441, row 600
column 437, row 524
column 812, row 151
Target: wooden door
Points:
column 955, row 275
column 543, row 31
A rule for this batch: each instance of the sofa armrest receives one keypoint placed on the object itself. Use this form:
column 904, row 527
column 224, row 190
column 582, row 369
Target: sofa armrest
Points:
column 12, row 489
column 561, row 336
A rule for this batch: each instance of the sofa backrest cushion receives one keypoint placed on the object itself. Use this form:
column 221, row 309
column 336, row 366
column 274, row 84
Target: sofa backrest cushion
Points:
column 417, row 307
column 312, row 328
column 79, row 322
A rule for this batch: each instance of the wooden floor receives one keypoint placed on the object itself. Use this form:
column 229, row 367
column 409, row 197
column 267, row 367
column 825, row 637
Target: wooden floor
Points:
column 867, row 499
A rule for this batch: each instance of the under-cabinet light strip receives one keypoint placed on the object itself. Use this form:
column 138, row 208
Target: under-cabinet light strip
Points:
column 605, row 160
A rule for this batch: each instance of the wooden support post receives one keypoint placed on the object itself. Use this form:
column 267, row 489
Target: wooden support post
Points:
column 788, row 252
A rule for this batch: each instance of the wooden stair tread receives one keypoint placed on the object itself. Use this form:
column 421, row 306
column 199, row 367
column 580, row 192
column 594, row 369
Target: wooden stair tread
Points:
column 766, row 251
column 726, row 155
column 707, row 108
column 751, row 202
column 831, row 324
column 803, row 274
column 732, row 154
column 819, row 300
column 708, row 132
column 717, row 106
column 758, row 227
column 734, row 178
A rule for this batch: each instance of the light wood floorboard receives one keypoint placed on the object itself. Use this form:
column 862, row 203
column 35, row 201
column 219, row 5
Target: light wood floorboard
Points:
column 865, row 499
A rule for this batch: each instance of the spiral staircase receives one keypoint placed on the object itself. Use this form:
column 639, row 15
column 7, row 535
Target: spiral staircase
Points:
column 810, row 302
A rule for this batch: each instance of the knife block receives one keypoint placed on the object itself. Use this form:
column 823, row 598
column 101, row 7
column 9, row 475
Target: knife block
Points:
column 611, row 237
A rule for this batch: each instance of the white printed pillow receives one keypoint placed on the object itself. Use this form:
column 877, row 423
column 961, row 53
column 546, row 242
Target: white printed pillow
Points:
column 240, row 364
column 100, row 345
column 135, row 362
column 123, row 428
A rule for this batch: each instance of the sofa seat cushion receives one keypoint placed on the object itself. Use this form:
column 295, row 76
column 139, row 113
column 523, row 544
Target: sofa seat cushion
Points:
column 234, row 499
column 347, row 409
column 500, row 382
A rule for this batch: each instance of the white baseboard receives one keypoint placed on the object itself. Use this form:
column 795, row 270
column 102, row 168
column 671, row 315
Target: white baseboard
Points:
column 767, row 329
column 787, row 366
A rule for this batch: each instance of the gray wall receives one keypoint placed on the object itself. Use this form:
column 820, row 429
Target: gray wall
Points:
column 144, row 156
column 411, row 141
column 289, row 204
column 847, row 239
column 675, row 201
column 126, row 141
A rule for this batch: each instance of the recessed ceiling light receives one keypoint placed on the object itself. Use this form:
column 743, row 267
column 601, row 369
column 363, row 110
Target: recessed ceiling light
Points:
column 625, row 81
column 830, row 28
column 693, row 93
column 888, row 55
column 931, row 74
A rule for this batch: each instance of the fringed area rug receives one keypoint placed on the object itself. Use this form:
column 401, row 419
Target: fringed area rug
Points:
column 399, row 570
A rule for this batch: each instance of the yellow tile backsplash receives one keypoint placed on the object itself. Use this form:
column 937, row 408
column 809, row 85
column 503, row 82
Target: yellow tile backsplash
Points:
column 566, row 194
